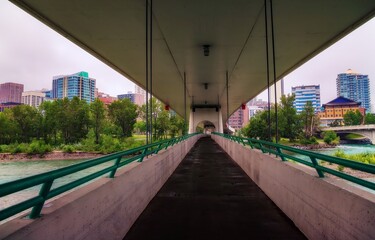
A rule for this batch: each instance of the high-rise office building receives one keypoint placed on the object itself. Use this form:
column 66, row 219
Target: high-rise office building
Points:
column 33, row 98
column 106, row 98
column 141, row 91
column 354, row 86
column 304, row 94
column 74, row 85
column 47, row 94
column 8, row 105
column 279, row 91
column 239, row 118
column 11, row 92
column 135, row 98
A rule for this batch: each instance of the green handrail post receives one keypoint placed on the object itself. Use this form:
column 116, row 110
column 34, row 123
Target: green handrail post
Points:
column 315, row 163
column 261, row 147
column 159, row 147
column 46, row 187
column 280, row 154
column 143, row 154
column 113, row 172
column 250, row 143
column 168, row 143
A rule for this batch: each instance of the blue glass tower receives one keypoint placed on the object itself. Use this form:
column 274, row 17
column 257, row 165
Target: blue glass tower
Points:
column 306, row 94
column 75, row 85
column 354, row 86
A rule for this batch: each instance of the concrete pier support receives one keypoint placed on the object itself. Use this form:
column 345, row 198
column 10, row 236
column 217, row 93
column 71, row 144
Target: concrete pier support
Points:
column 206, row 114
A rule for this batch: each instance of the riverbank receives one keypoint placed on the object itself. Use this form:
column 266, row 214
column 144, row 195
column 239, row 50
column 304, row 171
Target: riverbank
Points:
column 314, row 146
column 55, row 155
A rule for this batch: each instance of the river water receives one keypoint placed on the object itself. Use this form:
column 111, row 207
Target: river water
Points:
column 348, row 149
column 14, row 170
column 10, row 171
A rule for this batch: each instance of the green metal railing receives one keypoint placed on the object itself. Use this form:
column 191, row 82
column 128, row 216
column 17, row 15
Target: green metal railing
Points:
column 46, row 179
column 282, row 152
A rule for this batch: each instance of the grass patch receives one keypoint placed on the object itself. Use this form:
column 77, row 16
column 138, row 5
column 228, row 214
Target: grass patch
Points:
column 353, row 136
column 139, row 137
column 366, row 157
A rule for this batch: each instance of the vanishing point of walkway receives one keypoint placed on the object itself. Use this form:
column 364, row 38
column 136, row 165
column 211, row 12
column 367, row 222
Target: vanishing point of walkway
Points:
column 210, row 197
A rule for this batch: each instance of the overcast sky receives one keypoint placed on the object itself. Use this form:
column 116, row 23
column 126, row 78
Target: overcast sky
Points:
column 32, row 53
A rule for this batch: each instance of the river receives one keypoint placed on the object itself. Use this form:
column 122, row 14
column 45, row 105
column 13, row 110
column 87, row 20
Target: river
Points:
column 348, row 149
column 14, row 170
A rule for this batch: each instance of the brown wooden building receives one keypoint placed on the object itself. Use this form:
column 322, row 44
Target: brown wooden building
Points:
column 335, row 110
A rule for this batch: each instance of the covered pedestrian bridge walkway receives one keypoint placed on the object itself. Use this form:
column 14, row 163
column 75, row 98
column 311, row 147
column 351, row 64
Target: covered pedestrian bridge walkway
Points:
column 210, row 197
column 204, row 59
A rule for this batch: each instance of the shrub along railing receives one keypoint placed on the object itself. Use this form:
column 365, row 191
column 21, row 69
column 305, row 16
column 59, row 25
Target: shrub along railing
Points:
column 283, row 152
column 47, row 179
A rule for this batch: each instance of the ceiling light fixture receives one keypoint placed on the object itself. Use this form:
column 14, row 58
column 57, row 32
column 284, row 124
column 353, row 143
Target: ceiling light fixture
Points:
column 206, row 50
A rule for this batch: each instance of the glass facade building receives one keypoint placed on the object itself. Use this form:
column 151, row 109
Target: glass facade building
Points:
column 306, row 94
column 75, row 85
column 354, row 86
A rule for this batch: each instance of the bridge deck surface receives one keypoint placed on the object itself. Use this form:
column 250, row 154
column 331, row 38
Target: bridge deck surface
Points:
column 210, row 197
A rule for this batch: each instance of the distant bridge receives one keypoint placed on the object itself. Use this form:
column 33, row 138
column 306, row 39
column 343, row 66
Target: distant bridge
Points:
column 367, row 131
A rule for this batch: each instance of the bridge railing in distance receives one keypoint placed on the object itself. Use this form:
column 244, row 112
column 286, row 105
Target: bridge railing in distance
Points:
column 282, row 152
column 46, row 179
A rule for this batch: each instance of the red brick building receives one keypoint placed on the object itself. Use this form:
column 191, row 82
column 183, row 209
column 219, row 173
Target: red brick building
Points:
column 11, row 92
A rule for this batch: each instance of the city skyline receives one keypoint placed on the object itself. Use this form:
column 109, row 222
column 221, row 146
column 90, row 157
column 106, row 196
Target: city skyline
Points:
column 32, row 53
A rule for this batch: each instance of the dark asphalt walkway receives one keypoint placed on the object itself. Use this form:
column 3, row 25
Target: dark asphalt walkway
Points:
column 210, row 197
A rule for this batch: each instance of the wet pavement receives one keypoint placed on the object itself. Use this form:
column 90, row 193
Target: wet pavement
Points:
column 210, row 197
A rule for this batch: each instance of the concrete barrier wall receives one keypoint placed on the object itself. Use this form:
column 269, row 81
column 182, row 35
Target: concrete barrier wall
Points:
column 106, row 208
column 322, row 208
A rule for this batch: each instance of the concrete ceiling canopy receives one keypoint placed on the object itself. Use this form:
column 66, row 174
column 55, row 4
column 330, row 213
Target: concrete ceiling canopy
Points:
column 234, row 30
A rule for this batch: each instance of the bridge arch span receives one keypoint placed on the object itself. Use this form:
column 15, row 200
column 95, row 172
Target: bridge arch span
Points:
column 209, row 116
column 206, row 127
column 367, row 131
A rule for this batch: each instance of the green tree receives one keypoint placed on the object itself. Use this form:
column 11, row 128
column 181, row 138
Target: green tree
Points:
column 161, row 125
column 27, row 120
column 50, row 129
column 123, row 113
column 330, row 137
column 140, row 127
column 97, row 117
column 258, row 126
column 353, row 118
column 370, row 118
column 79, row 119
column 176, row 126
column 309, row 119
column 163, row 122
column 152, row 112
column 289, row 124
column 73, row 119
column 8, row 128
